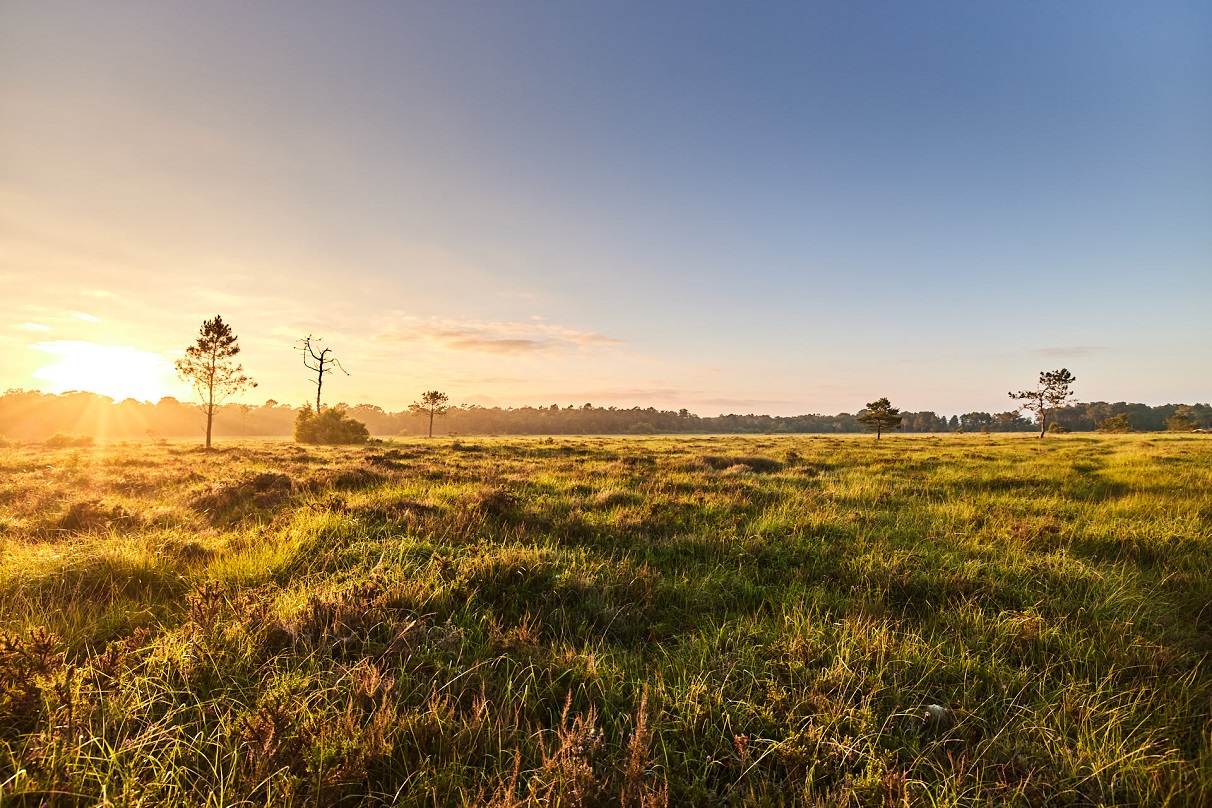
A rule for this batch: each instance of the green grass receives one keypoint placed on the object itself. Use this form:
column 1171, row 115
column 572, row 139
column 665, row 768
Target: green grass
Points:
column 592, row 621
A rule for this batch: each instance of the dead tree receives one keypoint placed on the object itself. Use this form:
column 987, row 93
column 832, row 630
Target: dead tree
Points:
column 318, row 362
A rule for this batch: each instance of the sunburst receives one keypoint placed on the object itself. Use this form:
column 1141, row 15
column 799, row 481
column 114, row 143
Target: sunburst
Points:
column 117, row 371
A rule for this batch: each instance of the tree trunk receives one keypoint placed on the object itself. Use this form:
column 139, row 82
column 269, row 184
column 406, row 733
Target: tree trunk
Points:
column 210, row 408
column 431, row 422
column 1043, row 422
column 210, row 397
column 319, row 385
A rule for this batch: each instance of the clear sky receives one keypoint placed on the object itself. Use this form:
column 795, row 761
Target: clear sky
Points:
column 730, row 207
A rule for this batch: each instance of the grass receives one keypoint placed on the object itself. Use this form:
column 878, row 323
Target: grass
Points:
column 935, row 620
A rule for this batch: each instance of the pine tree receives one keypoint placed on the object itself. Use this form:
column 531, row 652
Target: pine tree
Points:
column 209, row 366
column 880, row 415
column 432, row 403
column 1051, row 392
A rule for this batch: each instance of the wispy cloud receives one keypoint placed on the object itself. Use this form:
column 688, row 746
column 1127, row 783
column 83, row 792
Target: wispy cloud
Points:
column 488, row 380
column 1076, row 350
column 35, row 327
column 88, row 318
column 505, row 338
column 750, row 404
column 634, row 395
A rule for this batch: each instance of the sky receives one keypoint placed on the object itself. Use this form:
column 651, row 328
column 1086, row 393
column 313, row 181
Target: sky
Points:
column 784, row 207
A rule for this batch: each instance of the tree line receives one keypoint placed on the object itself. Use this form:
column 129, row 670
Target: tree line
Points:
column 30, row 415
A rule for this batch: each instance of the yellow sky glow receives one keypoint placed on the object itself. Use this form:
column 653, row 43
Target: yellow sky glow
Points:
column 117, row 371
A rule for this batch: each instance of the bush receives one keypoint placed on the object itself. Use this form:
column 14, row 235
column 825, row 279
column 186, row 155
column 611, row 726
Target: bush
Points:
column 1115, row 423
column 330, row 426
column 61, row 441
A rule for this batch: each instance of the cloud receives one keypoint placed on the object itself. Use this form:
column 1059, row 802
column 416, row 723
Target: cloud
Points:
column 88, row 318
column 467, row 342
column 629, row 394
column 750, row 404
column 35, row 327
column 502, row 338
column 1077, row 350
column 488, row 380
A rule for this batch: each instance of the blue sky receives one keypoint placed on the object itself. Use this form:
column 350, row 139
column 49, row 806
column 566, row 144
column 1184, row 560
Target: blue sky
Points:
column 782, row 207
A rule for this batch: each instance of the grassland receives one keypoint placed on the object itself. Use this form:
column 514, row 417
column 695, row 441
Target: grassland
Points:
column 953, row 620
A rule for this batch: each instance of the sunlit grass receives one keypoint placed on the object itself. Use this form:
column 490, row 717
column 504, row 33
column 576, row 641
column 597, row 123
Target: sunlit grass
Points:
column 701, row 621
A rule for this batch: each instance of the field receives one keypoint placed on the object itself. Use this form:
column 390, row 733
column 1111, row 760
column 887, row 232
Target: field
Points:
column 947, row 620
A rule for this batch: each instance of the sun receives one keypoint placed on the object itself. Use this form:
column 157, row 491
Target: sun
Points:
column 117, row 371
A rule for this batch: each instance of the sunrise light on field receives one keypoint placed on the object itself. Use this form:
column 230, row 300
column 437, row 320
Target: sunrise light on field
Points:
column 617, row 402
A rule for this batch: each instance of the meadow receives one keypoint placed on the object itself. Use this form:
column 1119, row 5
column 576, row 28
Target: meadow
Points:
column 952, row 620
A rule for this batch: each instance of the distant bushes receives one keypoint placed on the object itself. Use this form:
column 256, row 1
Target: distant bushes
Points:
column 1116, row 423
column 331, row 426
column 61, row 440
column 31, row 416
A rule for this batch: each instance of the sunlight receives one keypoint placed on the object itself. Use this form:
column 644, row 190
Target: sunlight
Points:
column 116, row 371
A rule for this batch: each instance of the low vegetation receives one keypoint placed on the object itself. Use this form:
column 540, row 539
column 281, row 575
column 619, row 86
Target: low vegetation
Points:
column 947, row 620
column 328, row 427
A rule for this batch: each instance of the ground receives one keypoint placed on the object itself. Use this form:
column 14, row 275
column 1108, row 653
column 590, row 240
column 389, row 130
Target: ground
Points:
column 768, row 620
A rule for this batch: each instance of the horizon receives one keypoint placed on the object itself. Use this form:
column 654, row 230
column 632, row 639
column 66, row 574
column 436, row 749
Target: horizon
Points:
column 346, row 405
column 791, row 211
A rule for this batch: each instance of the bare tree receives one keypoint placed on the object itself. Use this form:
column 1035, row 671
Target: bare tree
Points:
column 1051, row 392
column 433, row 403
column 318, row 361
column 209, row 365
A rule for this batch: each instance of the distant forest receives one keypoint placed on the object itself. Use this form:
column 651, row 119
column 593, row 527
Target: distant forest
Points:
column 30, row 415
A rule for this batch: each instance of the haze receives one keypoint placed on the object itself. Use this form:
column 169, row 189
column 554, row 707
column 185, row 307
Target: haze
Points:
column 782, row 208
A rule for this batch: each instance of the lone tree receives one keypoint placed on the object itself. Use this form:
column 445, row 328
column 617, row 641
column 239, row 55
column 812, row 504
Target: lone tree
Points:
column 209, row 365
column 1051, row 393
column 880, row 415
column 319, row 361
column 431, row 402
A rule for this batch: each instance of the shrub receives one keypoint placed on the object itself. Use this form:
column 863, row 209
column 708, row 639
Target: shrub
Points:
column 1115, row 423
column 760, row 464
column 62, row 441
column 330, row 426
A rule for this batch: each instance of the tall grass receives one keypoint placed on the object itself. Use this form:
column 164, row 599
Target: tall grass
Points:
column 955, row 620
